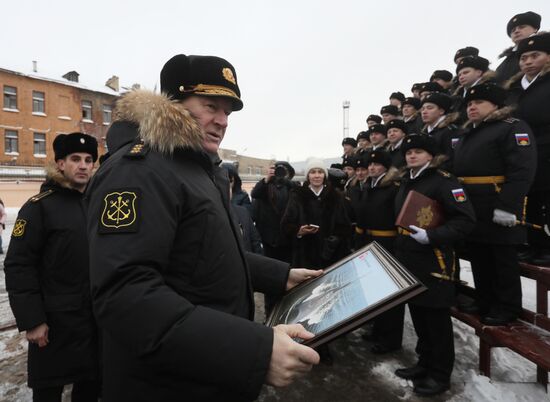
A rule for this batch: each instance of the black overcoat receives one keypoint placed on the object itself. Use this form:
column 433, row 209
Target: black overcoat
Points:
column 47, row 280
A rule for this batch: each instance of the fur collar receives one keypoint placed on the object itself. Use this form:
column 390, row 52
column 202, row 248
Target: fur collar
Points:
column 497, row 115
column 446, row 122
column 391, row 176
column 54, row 175
column 164, row 125
column 506, row 52
column 516, row 79
column 488, row 75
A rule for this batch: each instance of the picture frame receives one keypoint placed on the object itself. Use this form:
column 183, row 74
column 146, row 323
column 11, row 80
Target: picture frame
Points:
column 350, row 292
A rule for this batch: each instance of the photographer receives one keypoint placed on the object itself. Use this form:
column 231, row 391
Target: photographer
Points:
column 270, row 197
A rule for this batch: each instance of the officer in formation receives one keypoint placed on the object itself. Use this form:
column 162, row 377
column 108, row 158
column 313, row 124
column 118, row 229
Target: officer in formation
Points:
column 47, row 278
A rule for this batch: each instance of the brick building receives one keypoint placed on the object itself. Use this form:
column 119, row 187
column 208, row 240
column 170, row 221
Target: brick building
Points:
column 36, row 109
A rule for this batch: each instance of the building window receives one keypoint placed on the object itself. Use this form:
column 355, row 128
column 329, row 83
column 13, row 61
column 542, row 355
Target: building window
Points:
column 10, row 97
column 38, row 102
column 249, row 170
column 40, row 144
column 86, row 110
column 11, row 144
column 107, row 114
column 258, row 171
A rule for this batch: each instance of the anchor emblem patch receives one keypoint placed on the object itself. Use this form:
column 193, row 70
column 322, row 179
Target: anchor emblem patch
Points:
column 120, row 212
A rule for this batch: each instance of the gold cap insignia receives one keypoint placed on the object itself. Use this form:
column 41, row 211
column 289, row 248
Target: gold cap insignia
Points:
column 120, row 212
column 182, row 88
column 531, row 42
column 373, row 155
column 515, row 19
column 82, row 140
column 472, row 91
column 19, row 228
column 228, row 75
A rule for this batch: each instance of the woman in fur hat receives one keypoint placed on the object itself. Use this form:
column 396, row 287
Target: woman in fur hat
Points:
column 429, row 255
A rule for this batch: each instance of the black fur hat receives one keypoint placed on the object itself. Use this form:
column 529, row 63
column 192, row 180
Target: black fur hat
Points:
column 487, row 91
column 414, row 102
column 466, row 51
column 378, row 128
column 397, row 123
column 379, row 156
column 374, row 117
column 540, row 42
column 348, row 161
column 442, row 75
column 528, row 18
column 477, row 62
column 66, row 144
column 431, row 87
column 421, row 141
column 442, row 100
column 183, row 76
column 397, row 95
column 363, row 135
column 391, row 109
column 349, row 141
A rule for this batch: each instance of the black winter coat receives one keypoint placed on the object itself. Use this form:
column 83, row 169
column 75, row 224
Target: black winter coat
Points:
column 446, row 135
column 241, row 198
column 47, row 280
column 270, row 201
column 508, row 67
column 377, row 211
column 332, row 241
column 251, row 238
column 397, row 157
column 495, row 148
column 171, row 284
column 414, row 125
column 437, row 257
column 533, row 106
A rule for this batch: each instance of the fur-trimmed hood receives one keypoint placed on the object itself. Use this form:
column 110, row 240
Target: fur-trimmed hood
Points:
column 164, row 125
column 54, row 175
column 515, row 79
column 497, row 115
column 488, row 75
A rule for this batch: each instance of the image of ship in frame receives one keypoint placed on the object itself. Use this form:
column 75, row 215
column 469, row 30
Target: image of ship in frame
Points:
column 350, row 292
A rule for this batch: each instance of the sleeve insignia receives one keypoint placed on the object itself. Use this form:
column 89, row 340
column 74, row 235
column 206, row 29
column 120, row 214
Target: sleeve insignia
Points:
column 459, row 195
column 522, row 139
column 19, row 228
column 120, row 212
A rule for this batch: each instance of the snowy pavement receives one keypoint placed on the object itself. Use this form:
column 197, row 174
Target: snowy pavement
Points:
column 356, row 374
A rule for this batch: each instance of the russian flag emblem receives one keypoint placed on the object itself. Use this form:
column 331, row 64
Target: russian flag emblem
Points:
column 459, row 195
column 522, row 139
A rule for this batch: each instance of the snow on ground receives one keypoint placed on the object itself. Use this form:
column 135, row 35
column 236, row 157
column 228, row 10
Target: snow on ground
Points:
column 356, row 374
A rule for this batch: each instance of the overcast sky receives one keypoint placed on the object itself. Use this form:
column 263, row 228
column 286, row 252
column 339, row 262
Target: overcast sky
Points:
column 296, row 61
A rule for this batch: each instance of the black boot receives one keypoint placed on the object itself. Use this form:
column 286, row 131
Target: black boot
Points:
column 411, row 373
column 429, row 386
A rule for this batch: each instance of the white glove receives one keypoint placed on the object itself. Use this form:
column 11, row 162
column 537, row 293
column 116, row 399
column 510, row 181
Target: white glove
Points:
column 420, row 236
column 504, row 218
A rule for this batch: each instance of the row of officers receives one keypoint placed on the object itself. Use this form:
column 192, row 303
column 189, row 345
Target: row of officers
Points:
column 490, row 176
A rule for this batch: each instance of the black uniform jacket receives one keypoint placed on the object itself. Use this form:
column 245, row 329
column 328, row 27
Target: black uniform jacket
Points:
column 171, row 285
column 446, row 135
column 47, row 281
column 533, row 106
column 332, row 241
column 414, row 125
column 436, row 258
column 499, row 146
column 377, row 213
column 397, row 157
column 459, row 105
column 508, row 67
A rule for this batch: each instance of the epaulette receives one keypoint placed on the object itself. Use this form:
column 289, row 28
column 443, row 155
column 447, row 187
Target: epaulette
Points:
column 510, row 120
column 43, row 194
column 444, row 173
column 138, row 150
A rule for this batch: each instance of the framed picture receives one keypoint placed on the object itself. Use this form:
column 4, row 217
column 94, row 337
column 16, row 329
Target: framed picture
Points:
column 348, row 294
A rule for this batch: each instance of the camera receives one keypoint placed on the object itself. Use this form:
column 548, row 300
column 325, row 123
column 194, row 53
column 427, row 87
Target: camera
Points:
column 280, row 172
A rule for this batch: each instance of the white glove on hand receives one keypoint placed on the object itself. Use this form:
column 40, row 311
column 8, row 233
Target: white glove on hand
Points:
column 504, row 218
column 420, row 236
